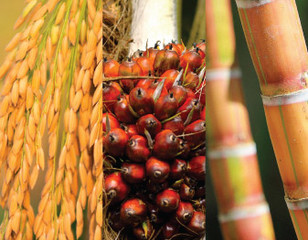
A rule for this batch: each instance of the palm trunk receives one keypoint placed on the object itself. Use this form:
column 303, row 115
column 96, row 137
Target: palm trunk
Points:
column 277, row 47
column 153, row 21
column 243, row 211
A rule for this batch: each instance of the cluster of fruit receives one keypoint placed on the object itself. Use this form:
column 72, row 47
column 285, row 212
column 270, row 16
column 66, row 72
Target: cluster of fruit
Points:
column 154, row 142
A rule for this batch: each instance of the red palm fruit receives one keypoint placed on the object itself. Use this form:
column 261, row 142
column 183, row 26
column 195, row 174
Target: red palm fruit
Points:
column 175, row 47
column 165, row 59
column 145, row 65
column 122, row 111
column 140, row 233
column 165, row 107
column 185, row 150
column 196, row 168
column 110, row 94
column 150, row 123
column 113, row 122
column 194, row 133
column 151, row 52
column 197, row 222
column 167, row 145
column 176, row 125
column 157, row 170
column 184, row 212
column 133, row 173
column 141, row 101
column 137, row 149
column 191, row 80
column 170, row 229
column 191, row 58
column 202, row 46
column 186, row 192
column 190, row 107
column 153, row 87
column 168, row 200
column 115, row 142
column 130, row 129
column 179, row 93
column 144, row 83
column 110, row 68
column 129, row 68
column 133, row 212
column 199, row 50
column 115, row 187
column 170, row 76
column 190, row 94
column 203, row 114
column 178, row 169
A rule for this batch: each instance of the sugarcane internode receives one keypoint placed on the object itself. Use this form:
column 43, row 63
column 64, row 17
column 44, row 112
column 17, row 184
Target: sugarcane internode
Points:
column 279, row 53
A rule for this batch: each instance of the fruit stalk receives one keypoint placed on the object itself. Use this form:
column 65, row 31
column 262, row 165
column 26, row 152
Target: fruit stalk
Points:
column 278, row 50
column 243, row 211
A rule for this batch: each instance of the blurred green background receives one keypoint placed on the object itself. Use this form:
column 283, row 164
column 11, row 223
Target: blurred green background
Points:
column 269, row 171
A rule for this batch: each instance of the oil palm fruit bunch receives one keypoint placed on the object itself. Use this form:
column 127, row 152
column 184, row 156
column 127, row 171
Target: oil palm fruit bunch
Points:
column 154, row 143
column 50, row 123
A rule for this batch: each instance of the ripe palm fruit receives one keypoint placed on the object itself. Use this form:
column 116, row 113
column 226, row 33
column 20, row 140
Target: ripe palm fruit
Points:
column 129, row 68
column 133, row 172
column 130, row 129
column 178, row 169
column 167, row 145
column 184, row 212
column 170, row 76
column 133, row 212
column 110, row 68
column 197, row 222
column 122, row 110
column 165, row 107
column 115, row 142
column 116, row 189
column 201, row 46
column 145, row 65
column 186, row 192
column 113, row 122
column 166, row 59
column 151, row 140
column 176, row 125
column 140, row 101
column 110, row 94
column 196, row 168
column 180, row 94
column 195, row 133
column 157, row 170
column 151, row 52
column 190, row 110
column 137, row 149
column 150, row 123
column 168, row 200
column 191, row 60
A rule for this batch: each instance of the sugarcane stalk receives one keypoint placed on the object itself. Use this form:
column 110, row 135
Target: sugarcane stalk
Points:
column 243, row 210
column 275, row 39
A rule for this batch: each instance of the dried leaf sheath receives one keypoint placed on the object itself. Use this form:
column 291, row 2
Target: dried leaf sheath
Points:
column 60, row 39
column 277, row 47
column 243, row 211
